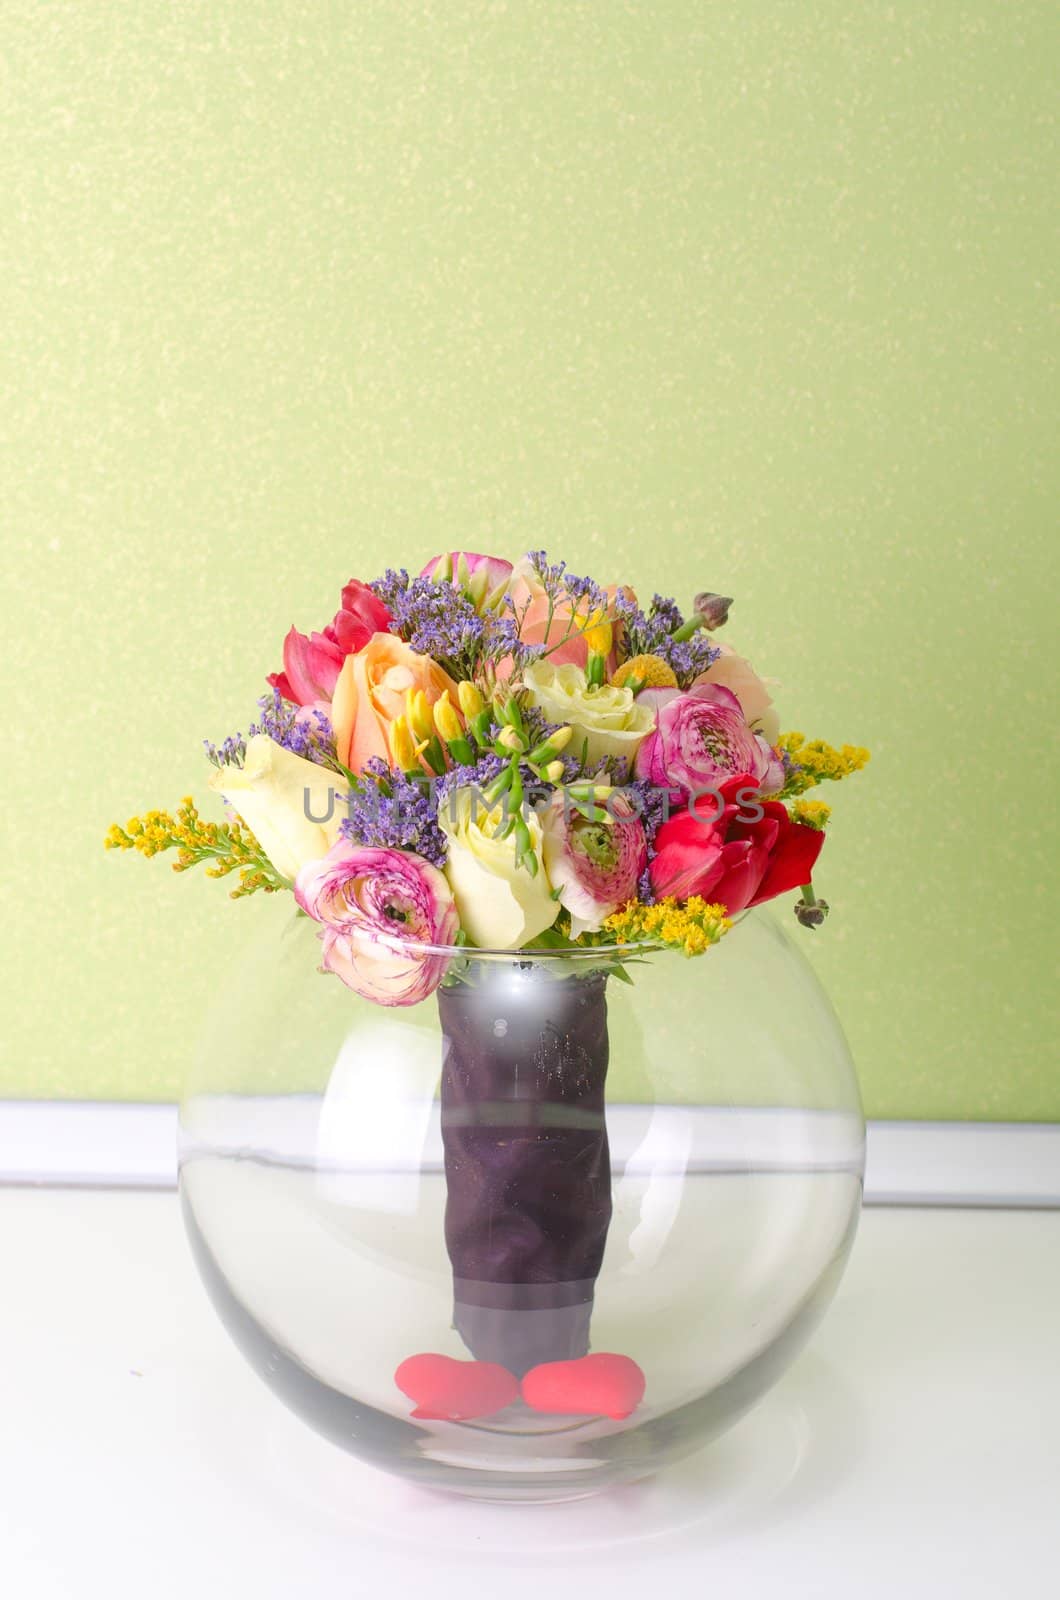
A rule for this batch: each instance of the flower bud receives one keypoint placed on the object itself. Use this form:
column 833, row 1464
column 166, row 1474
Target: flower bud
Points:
column 509, row 739
column 418, row 714
column 811, row 914
column 598, row 635
column 477, row 587
column 446, row 720
column 712, row 609
column 403, row 748
column 554, row 772
column 471, row 702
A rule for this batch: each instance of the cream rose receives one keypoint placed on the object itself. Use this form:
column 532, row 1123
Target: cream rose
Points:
column 610, row 720
column 501, row 906
column 280, row 796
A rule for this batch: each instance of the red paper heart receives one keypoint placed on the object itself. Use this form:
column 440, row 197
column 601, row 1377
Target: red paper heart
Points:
column 453, row 1391
column 595, row 1386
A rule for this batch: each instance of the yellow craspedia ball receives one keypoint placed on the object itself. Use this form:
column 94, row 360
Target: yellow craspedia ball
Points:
column 645, row 672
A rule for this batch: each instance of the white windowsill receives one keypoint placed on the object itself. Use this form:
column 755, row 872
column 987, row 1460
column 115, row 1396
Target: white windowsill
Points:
column 125, row 1145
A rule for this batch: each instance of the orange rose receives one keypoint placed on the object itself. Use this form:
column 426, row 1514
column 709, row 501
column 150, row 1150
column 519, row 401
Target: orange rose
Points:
column 372, row 691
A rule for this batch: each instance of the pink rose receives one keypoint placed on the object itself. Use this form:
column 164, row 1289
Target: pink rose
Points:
column 733, row 672
column 594, row 865
column 736, row 860
column 377, row 907
column 701, row 738
column 312, row 662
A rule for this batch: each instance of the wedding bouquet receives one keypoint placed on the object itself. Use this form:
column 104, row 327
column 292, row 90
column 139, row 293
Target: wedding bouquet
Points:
column 509, row 757
column 485, row 758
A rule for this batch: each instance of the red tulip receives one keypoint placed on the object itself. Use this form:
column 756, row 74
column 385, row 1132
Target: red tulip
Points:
column 751, row 852
column 312, row 662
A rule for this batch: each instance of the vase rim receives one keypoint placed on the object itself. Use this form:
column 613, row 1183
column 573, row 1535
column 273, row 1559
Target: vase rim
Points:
column 580, row 954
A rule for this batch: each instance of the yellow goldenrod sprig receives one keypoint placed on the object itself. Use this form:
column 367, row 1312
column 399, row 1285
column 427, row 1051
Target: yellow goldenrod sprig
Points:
column 690, row 926
column 221, row 846
column 811, row 813
column 818, row 762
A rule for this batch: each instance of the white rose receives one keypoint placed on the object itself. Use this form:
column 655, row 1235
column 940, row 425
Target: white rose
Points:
column 501, row 906
column 608, row 719
column 279, row 795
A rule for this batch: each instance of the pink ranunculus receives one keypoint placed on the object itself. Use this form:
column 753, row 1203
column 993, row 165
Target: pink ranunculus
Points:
column 378, row 908
column 594, row 865
column 487, row 573
column 734, row 672
column 737, row 858
column 701, row 738
column 312, row 662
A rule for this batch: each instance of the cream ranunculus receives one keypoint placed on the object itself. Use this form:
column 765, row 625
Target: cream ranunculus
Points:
column 501, row 906
column 609, row 720
column 280, row 796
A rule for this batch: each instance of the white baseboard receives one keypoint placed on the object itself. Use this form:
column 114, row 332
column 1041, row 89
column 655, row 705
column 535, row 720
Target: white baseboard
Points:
column 107, row 1144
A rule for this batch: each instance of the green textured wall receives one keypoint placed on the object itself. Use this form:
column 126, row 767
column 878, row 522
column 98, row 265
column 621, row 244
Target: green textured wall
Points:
column 749, row 296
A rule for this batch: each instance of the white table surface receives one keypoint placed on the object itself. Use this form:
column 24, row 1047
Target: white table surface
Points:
column 913, row 1449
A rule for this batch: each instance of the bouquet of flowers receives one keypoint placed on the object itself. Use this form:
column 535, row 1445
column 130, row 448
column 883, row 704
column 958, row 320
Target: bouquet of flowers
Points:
column 509, row 757
column 499, row 757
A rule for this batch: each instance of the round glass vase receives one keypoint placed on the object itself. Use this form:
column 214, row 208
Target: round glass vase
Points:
column 554, row 1159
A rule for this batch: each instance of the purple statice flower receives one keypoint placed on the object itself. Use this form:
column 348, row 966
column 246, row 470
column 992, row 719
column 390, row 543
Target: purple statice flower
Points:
column 584, row 594
column 231, row 752
column 438, row 620
column 390, row 587
column 538, row 727
column 653, row 806
column 485, row 769
column 389, row 811
column 665, row 612
column 304, row 730
column 435, row 619
column 652, row 634
column 581, row 596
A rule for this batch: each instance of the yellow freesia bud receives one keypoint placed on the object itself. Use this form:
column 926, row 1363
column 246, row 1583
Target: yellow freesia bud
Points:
column 561, row 738
column 446, row 720
column 598, row 635
column 471, row 702
column 554, row 772
column 403, row 748
column 510, row 740
column 418, row 714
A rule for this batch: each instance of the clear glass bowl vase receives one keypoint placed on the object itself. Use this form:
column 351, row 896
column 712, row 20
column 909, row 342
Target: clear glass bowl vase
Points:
column 544, row 1232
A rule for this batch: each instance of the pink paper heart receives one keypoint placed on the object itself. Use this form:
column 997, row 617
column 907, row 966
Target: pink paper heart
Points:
column 595, row 1386
column 454, row 1391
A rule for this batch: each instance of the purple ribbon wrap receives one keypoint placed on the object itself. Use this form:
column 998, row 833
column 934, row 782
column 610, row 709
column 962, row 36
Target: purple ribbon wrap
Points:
column 527, row 1164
